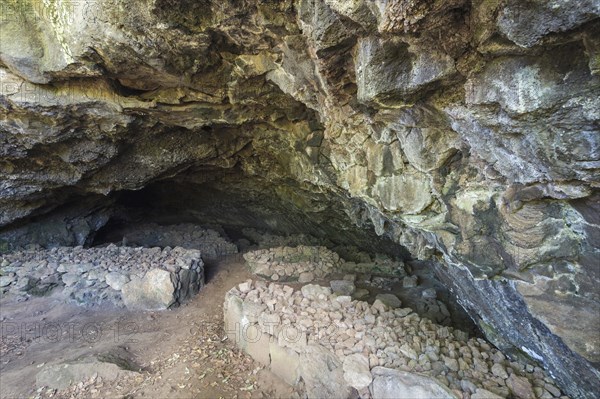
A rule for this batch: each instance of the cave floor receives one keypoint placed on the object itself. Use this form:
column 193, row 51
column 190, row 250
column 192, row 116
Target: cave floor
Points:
column 179, row 353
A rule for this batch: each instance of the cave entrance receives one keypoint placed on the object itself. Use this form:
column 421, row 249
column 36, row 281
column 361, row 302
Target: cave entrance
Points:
column 232, row 217
column 201, row 238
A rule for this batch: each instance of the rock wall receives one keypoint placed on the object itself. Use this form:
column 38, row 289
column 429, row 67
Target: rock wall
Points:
column 138, row 278
column 343, row 348
column 210, row 244
column 465, row 131
column 301, row 263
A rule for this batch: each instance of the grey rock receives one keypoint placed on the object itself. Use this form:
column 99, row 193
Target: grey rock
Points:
column 520, row 387
column 154, row 292
column 388, row 71
column 23, row 284
column 285, row 363
column 408, row 192
column 499, row 370
column 464, row 132
column 527, row 23
column 468, row 386
column 62, row 375
column 322, row 373
column 484, row 394
column 306, row 277
column 257, row 345
column 452, row 364
column 116, row 280
column 360, row 293
column 5, row 281
column 245, row 286
column 342, row 287
column 379, row 306
column 389, row 383
column 70, row 278
column 313, row 290
column 409, row 282
column 390, row 300
column 233, row 313
column 356, row 371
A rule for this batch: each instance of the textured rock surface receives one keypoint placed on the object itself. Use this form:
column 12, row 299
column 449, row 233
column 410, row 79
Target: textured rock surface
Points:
column 62, row 375
column 388, row 383
column 104, row 366
column 154, row 292
column 466, row 132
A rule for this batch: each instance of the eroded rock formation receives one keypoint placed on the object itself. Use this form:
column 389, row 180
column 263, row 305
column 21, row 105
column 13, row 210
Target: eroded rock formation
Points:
column 464, row 131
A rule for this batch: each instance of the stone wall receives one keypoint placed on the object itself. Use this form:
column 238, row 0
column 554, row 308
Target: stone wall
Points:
column 340, row 348
column 186, row 235
column 138, row 278
column 301, row 263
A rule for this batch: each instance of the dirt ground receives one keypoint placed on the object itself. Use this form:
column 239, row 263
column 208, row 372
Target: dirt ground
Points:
column 182, row 353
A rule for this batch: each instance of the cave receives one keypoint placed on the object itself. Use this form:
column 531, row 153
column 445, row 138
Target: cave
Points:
column 412, row 187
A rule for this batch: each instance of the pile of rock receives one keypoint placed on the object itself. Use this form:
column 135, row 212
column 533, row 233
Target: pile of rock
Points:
column 185, row 235
column 301, row 263
column 338, row 346
column 139, row 278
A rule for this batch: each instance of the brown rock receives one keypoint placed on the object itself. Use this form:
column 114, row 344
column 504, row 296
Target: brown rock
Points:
column 520, row 387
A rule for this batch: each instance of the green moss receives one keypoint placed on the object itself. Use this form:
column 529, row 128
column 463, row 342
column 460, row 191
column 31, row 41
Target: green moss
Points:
column 492, row 334
column 497, row 340
column 4, row 246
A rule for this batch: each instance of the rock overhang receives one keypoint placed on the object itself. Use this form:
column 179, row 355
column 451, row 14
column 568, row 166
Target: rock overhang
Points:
column 487, row 161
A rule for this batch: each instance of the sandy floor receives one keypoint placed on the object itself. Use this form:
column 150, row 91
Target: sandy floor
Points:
column 181, row 352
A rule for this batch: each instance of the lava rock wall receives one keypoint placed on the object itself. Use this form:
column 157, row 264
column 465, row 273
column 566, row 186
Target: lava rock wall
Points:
column 466, row 131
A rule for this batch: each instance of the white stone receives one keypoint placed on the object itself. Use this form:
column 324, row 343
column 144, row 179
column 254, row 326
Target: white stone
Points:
column 356, row 371
column 315, row 290
column 499, row 370
column 70, row 279
column 116, row 280
column 306, row 277
column 5, row 281
column 389, row 383
column 379, row 306
column 245, row 286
